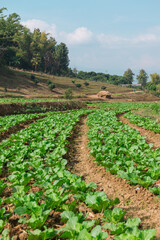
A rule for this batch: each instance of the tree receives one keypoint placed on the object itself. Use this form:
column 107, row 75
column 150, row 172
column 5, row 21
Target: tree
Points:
column 128, row 75
column 48, row 61
column 61, row 58
column 36, row 61
column 155, row 78
column 151, row 86
column 142, row 77
column 75, row 71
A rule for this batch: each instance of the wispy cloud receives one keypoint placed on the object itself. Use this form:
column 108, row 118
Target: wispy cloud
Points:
column 42, row 25
column 115, row 41
column 112, row 41
column 145, row 38
column 79, row 36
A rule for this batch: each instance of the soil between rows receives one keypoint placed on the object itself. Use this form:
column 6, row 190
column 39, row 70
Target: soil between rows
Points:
column 136, row 200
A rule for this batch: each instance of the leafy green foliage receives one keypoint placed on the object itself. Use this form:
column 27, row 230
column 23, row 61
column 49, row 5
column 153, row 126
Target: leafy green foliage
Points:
column 51, row 86
column 34, row 158
column 145, row 122
column 122, row 150
column 78, row 85
column 103, row 87
column 99, row 202
column 68, row 94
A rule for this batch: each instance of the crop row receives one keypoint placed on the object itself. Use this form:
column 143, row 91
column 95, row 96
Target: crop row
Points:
column 123, row 151
column 39, row 187
column 145, row 122
column 22, row 100
column 12, row 120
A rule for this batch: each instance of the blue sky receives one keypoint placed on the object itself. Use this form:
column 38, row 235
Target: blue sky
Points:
column 102, row 35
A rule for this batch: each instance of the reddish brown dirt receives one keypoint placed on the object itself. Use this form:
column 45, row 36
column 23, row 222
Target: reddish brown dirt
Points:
column 12, row 108
column 137, row 201
column 151, row 137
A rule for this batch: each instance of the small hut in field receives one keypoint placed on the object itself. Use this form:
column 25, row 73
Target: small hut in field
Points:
column 104, row 94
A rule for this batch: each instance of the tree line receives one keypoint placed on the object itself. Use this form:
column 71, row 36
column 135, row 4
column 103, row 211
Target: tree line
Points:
column 127, row 78
column 38, row 51
column 21, row 48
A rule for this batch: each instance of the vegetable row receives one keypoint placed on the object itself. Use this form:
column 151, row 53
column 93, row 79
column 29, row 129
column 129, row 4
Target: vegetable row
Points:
column 123, row 151
column 12, row 120
column 40, row 187
column 145, row 122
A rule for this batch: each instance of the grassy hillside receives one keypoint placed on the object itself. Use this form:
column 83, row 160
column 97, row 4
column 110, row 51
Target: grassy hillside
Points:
column 19, row 84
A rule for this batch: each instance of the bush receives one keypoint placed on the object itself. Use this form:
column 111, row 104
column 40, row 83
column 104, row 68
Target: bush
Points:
column 32, row 77
column 103, row 87
column 78, row 85
column 49, row 82
column 73, row 81
column 151, row 86
column 68, row 94
column 51, row 86
column 36, row 81
column 86, row 84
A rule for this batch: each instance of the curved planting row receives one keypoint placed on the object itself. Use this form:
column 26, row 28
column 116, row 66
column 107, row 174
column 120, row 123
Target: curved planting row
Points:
column 145, row 122
column 39, row 196
column 12, row 120
column 123, row 151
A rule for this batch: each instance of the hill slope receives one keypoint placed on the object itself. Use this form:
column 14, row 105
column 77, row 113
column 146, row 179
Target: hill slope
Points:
column 19, row 83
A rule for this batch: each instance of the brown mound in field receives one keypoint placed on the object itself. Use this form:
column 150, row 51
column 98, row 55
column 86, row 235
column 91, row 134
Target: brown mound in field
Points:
column 104, row 94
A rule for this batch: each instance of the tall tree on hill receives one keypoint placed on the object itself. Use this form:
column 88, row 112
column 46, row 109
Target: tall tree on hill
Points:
column 61, row 59
column 48, row 62
column 9, row 27
column 23, row 51
column 142, row 77
column 155, row 78
column 128, row 75
column 36, row 60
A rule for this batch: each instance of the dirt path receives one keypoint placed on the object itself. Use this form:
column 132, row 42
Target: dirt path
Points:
column 151, row 137
column 137, row 202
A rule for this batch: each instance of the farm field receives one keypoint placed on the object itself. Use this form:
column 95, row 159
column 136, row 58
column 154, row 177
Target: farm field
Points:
column 81, row 174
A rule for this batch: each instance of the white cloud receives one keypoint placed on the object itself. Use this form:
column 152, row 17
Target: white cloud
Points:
column 42, row 25
column 79, row 36
column 146, row 38
column 115, row 41
column 111, row 40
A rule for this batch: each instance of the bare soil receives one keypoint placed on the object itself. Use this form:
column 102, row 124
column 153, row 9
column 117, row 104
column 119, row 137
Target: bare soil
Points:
column 27, row 107
column 137, row 201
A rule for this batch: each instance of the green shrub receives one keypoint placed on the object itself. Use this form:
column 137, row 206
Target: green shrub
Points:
column 51, row 86
column 86, row 84
column 32, row 77
column 68, row 94
column 78, row 85
column 151, row 86
column 36, row 81
column 103, row 87
column 49, row 82
column 73, row 81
